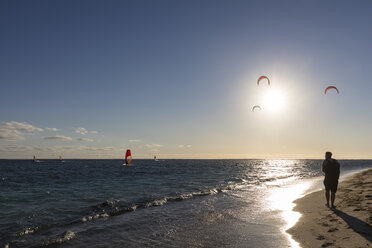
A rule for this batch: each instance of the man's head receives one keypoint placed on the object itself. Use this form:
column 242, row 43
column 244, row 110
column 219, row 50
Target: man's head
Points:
column 328, row 155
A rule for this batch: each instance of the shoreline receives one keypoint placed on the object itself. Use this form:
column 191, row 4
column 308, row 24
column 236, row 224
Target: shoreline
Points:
column 349, row 225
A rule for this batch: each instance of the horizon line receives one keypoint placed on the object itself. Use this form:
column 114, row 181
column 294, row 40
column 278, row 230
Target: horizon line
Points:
column 186, row 158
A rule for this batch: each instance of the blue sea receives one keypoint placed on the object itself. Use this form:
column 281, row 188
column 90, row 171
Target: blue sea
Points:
column 165, row 203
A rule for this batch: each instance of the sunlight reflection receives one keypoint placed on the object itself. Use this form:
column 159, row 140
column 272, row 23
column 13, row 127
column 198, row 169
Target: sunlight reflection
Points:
column 281, row 198
column 280, row 170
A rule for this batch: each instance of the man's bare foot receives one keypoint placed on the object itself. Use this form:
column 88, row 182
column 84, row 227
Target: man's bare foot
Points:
column 327, row 205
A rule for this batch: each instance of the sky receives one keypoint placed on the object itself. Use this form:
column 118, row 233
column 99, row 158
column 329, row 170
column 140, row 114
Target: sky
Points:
column 178, row 79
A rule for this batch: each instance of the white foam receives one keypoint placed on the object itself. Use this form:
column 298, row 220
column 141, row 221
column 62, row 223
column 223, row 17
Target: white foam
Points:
column 27, row 231
column 66, row 237
column 94, row 217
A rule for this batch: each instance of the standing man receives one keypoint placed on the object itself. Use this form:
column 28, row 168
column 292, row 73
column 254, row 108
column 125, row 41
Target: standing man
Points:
column 331, row 169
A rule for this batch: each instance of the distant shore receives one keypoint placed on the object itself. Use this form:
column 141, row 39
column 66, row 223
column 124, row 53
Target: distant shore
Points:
column 349, row 225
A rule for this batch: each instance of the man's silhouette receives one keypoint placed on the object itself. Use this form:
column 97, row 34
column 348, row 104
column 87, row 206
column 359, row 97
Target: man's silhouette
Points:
column 331, row 169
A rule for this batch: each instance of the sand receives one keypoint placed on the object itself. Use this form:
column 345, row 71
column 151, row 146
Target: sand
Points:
column 349, row 225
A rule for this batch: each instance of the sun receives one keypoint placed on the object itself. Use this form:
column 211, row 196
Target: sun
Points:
column 274, row 101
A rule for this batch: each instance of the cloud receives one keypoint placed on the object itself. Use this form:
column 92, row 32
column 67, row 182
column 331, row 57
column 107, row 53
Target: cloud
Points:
column 15, row 130
column 95, row 132
column 81, row 130
column 21, row 126
column 135, row 140
column 95, row 149
column 85, row 139
column 24, row 151
column 9, row 134
column 58, row 137
column 16, row 148
column 52, row 129
column 153, row 145
column 182, row 146
column 154, row 150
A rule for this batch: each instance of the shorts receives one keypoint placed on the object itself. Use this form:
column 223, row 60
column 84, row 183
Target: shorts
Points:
column 332, row 186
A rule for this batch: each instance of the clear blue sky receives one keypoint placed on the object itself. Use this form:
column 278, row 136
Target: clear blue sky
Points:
column 177, row 79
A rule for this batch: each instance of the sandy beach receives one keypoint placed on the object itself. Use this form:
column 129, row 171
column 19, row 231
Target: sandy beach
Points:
column 349, row 225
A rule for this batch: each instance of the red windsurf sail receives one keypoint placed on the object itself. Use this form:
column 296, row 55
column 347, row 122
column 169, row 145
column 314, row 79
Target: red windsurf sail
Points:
column 128, row 157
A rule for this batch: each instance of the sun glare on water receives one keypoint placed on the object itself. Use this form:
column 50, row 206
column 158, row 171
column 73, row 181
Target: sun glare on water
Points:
column 274, row 101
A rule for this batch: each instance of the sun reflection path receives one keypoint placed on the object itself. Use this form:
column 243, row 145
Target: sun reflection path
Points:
column 282, row 198
column 288, row 188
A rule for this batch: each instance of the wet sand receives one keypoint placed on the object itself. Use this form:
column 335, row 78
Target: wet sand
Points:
column 348, row 225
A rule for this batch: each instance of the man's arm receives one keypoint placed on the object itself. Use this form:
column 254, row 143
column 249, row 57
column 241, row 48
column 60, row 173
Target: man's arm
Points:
column 323, row 166
column 338, row 169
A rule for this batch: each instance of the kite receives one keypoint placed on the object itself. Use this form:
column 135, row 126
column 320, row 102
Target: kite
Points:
column 256, row 107
column 330, row 87
column 263, row 77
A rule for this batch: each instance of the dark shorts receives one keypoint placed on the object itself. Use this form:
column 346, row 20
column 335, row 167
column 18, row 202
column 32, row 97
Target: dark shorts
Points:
column 331, row 185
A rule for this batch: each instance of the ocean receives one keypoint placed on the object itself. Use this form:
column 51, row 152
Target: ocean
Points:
column 165, row 203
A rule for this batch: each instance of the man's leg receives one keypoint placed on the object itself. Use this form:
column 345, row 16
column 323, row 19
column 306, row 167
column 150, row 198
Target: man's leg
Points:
column 333, row 196
column 327, row 196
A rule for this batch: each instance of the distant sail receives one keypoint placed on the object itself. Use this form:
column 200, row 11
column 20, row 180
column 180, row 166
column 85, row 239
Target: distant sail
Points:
column 128, row 157
column 60, row 158
column 34, row 158
column 154, row 158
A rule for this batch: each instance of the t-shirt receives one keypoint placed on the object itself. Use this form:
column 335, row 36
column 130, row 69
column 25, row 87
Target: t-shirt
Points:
column 331, row 169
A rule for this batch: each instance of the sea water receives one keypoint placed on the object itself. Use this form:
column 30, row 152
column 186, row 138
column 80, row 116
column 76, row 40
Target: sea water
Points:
column 166, row 203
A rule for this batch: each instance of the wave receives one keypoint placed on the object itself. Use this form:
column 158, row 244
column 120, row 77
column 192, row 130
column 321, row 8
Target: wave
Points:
column 270, row 179
column 111, row 208
column 54, row 240
column 27, row 231
column 114, row 208
column 108, row 209
column 59, row 239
